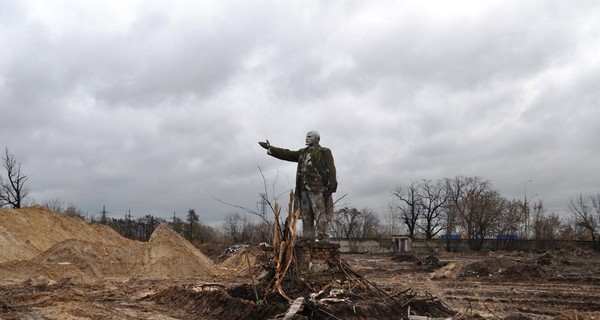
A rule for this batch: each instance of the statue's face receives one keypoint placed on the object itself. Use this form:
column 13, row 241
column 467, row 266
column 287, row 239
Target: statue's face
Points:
column 311, row 139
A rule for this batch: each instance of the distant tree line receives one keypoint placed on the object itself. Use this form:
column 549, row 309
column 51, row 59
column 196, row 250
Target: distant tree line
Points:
column 142, row 228
column 471, row 208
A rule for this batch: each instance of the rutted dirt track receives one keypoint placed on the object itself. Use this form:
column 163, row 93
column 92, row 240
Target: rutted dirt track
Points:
column 499, row 285
column 57, row 267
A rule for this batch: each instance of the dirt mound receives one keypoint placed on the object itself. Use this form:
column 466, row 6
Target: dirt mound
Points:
column 445, row 272
column 524, row 271
column 502, row 267
column 36, row 242
column 237, row 261
column 168, row 255
column 545, row 259
column 431, row 263
column 74, row 259
column 484, row 268
column 24, row 233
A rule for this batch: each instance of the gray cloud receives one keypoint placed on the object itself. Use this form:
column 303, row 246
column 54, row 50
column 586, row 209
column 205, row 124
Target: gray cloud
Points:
column 150, row 107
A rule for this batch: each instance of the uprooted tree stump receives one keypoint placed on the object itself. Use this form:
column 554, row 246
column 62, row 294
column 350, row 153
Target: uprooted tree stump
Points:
column 325, row 285
column 301, row 264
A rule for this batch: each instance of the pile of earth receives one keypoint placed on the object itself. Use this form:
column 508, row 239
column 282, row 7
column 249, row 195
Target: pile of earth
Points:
column 429, row 263
column 247, row 261
column 502, row 267
column 37, row 243
column 405, row 257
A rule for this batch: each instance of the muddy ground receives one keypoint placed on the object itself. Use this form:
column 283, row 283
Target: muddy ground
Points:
column 563, row 284
column 486, row 289
column 57, row 267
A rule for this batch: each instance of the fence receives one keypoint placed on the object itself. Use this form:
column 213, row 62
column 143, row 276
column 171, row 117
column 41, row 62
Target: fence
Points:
column 435, row 245
column 382, row 245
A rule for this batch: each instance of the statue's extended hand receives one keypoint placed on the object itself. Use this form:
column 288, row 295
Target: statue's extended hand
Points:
column 265, row 145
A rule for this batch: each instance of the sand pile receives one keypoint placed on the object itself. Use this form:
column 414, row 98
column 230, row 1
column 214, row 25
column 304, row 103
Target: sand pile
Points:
column 36, row 242
column 24, row 233
column 168, row 255
column 238, row 262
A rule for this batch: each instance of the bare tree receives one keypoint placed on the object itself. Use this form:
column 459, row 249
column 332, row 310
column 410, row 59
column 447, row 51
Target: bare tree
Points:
column 346, row 223
column 489, row 212
column 371, row 224
column 391, row 220
column 434, row 198
column 264, row 208
column 478, row 207
column 55, row 205
column 410, row 206
column 452, row 220
column 238, row 228
column 512, row 217
column 73, row 211
column 350, row 223
column 12, row 191
column 545, row 226
column 572, row 230
column 204, row 233
column 586, row 213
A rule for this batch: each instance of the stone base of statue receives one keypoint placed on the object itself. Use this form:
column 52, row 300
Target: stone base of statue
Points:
column 318, row 262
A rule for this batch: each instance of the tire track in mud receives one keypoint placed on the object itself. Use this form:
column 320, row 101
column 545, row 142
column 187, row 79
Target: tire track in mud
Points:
column 538, row 298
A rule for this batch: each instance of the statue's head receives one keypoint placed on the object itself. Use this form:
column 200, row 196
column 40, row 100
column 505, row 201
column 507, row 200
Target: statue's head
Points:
column 312, row 138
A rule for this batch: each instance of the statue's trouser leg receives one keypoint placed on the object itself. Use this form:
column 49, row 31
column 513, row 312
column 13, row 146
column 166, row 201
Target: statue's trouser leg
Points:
column 319, row 209
column 306, row 214
column 328, row 217
column 308, row 229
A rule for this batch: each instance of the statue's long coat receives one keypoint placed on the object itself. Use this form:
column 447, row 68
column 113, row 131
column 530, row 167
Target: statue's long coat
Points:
column 315, row 171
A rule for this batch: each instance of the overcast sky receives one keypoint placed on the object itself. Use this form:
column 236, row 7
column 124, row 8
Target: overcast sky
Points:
column 152, row 106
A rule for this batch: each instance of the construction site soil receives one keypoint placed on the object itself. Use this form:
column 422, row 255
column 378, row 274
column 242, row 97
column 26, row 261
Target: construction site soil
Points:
column 53, row 266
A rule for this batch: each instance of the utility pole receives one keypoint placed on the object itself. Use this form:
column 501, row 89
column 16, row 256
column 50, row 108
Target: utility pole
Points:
column 526, row 210
column 103, row 218
column 262, row 204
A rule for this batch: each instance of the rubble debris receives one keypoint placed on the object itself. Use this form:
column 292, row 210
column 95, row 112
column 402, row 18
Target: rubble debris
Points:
column 231, row 250
column 430, row 263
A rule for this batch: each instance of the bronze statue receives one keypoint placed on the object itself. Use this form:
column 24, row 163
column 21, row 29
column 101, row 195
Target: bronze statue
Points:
column 315, row 182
